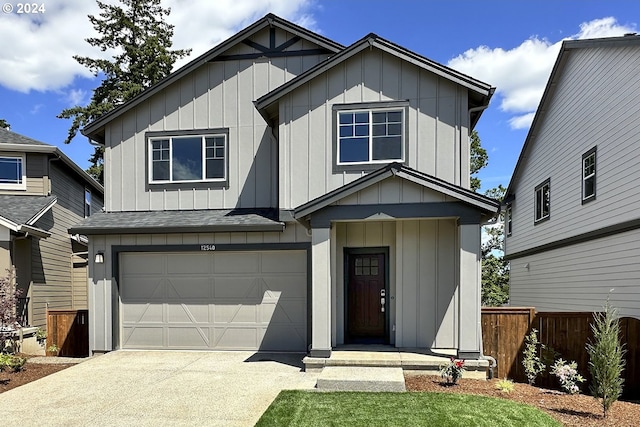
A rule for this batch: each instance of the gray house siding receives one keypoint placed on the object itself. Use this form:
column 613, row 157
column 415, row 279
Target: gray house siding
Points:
column 580, row 277
column 437, row 123
column 218, row 95
column 594, row 104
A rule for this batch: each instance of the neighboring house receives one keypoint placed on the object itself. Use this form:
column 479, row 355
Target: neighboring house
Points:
column 573, row 204
column 284, row 192
column 42, row 194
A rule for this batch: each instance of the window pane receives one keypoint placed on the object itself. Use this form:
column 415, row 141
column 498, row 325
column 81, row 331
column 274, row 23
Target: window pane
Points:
column 394, row 116
column 215, row 168
column 589, row 188
column 354, row 150
column 374, row 271
column 380, row 129
column 379, row 117
column 366, row 262
column 161, row 170
column 394, row 129
column 346, row 118
column 362, row 117
column 187, row 159
column 346, row 131
column 387, row 148
column 10, row 171
column 362, row 130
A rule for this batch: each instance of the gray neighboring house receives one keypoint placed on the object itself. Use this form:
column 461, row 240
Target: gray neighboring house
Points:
column 285, row 192
column 573, row 203
column 42, row 194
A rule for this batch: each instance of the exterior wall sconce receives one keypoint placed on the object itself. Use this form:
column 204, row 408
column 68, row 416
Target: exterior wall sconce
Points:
column 99, row 259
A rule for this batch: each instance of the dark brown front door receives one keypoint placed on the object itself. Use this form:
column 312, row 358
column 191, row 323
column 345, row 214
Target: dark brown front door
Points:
column 366, row 288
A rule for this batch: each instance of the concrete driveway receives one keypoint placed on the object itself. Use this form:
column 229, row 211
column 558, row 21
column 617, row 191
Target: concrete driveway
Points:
column 157, row 388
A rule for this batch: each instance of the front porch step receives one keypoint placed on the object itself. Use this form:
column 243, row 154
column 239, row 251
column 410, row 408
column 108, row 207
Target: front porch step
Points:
column 358, row 378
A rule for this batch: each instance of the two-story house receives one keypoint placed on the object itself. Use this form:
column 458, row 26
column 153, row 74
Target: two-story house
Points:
column 42, row 194
column 285, row 192
column 573, row 218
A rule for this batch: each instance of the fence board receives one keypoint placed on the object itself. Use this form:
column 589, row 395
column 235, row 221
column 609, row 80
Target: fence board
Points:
column 69, row 331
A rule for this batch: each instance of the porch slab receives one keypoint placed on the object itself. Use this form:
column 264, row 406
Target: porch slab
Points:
column 359, row 378
column 411, row 360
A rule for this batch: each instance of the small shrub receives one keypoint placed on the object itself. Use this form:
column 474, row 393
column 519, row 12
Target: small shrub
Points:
column 567, row 374
column 53, row 349
column 533, row 366
column 606, row 358
column 9, row 295
column 11, row 362
column 505, row 386
column 452, row 371
column 41, row 336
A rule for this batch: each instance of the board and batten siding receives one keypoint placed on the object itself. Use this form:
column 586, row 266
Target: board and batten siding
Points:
column 217, row 95
column 580, row 277
column 52, row 261
column 422, row 272
column 594, row 104
column 437, row 129
column 103, row 293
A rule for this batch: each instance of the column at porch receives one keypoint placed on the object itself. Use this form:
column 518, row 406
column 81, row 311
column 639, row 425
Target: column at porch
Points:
column 321, row 291
column 469, row 291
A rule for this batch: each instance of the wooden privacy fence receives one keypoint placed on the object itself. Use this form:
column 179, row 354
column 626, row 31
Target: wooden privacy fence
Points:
column 565, row 333
column 69, row 331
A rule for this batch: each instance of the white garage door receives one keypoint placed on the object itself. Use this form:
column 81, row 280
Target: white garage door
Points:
column 214, row 300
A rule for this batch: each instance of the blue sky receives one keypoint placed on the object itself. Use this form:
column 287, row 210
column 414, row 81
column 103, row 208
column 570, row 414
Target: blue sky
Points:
column 510, row 44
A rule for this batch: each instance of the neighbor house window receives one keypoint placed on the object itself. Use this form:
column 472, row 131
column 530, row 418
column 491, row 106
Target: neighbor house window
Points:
column 366, row 136
column 507, row 219
column 12, row 172
column 191, row 158
column 589, row 175
column 87, row 203
column 542, row 201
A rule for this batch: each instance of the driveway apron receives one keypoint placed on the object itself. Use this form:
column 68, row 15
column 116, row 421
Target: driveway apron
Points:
column 158, row 388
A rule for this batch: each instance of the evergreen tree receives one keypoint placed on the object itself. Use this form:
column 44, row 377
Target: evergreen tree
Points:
column 479, row 159
column 136, row 30
column 495, row 269
column 4, row 124
column 606, row 361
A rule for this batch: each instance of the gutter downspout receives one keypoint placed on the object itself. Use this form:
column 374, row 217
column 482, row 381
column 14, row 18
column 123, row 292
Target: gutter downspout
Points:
column 471, row 110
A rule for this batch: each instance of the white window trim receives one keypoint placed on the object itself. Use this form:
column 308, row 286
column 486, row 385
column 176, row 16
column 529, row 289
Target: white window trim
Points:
column 23, row 184
column 204, row 158
column 540, row 188
column 370, row 111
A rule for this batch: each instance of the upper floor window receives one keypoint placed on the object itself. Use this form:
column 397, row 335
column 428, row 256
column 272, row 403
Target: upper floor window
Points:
column 370, row 134
column 543, row 201
column 507, row 219
column 12, row 173
column 589, row 175
column 188, row 158
column 87, row 203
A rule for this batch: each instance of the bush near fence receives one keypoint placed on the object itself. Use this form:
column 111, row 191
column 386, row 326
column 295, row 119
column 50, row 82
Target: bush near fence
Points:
column 504, row 329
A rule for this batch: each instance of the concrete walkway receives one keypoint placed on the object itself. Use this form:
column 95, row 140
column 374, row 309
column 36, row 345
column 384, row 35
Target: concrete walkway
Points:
column 127, row 388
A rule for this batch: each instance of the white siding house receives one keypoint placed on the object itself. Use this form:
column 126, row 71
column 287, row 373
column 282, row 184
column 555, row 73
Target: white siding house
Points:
column 284, row 192
column 574, row 197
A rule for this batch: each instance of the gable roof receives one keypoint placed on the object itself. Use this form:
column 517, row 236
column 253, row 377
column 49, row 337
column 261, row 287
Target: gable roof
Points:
column 480, row 92
column 20, row 213
column 11, row 141
column 95, row 129
column 565, row 50
column 477, row 201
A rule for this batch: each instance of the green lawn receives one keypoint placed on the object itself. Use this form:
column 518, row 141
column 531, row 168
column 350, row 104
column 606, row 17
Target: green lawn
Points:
column 308, row 408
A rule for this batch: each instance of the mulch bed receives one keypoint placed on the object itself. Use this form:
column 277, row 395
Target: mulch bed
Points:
column 571, row 410
column 30, row 372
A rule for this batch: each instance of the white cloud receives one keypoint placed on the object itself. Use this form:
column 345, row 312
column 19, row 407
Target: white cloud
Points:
column 76, row 97
column 36, row 109
column 520, row 74
column 37, row 50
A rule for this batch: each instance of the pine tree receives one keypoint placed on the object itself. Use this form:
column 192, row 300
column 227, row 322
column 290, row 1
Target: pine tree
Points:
column 606, row 361
column 136, row 30
column 479, row 159
column 4, row 124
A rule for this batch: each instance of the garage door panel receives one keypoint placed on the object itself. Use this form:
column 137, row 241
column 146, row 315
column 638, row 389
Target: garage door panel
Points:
column 188, row 313
column 142, row 287
column 245, row 301
column 236, row 262
column 191, row 263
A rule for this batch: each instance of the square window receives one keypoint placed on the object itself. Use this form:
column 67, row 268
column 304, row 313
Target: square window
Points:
column 372, row 136
column 12, row 173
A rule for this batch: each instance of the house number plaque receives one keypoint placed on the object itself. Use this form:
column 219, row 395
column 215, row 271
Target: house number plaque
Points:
column 207, row 247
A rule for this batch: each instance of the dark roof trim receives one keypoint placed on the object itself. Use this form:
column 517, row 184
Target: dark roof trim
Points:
column 42, row 211
column 94, row 130
column 580, row 238
column 227, row 228
column 549, row 90
column 372, row 40
column 396, row 169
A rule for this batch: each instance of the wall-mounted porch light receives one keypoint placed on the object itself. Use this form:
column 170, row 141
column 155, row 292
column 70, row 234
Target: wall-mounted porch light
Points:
column 99, row 259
